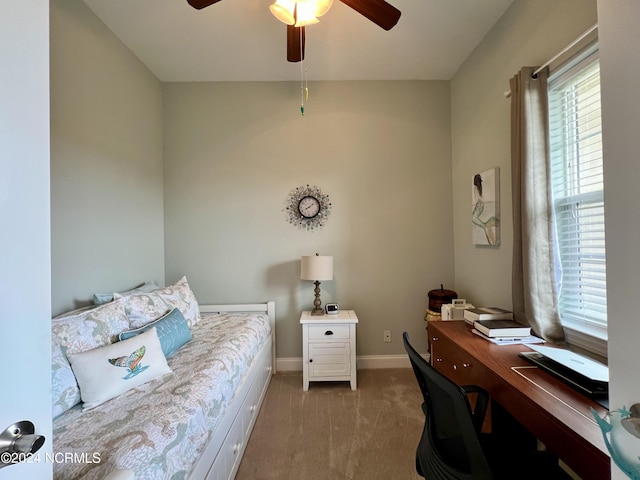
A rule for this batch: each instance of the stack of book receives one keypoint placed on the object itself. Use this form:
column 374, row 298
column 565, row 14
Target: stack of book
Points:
column 487, row 313
column 497, row 326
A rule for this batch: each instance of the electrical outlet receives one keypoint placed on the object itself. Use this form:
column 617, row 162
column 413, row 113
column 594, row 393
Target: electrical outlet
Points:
column 387, row 336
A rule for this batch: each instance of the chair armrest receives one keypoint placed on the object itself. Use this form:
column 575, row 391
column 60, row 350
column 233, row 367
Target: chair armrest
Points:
column 479, row 408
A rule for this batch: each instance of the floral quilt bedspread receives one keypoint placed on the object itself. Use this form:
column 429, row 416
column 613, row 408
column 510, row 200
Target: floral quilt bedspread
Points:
column 159, row 429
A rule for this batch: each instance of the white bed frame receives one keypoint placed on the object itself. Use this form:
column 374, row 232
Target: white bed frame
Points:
column 222, row 455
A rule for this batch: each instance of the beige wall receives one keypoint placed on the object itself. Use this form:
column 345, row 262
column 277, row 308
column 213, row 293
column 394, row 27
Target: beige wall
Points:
column 529, row 33
column 106, row 161
column 232, row 153
column 380, row 150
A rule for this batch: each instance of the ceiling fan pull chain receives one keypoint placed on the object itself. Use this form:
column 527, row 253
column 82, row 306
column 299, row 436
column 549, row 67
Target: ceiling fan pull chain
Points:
column 301, row 84
column 304, row 90
column 305, row 97
column 301, row 88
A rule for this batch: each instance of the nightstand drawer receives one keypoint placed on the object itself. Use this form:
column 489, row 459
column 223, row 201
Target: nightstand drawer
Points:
column 329, row 332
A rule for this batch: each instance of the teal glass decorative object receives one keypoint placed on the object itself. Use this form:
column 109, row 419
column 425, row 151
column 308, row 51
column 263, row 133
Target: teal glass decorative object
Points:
column 622, row 437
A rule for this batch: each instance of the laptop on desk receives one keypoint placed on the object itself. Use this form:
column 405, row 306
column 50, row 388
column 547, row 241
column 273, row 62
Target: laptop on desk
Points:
column 582, row 372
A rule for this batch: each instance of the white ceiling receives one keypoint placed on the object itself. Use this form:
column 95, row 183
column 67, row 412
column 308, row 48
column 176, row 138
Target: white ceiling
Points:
column 239, row 40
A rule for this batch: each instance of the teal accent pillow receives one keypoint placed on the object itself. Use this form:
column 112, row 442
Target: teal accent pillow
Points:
column 172, row 330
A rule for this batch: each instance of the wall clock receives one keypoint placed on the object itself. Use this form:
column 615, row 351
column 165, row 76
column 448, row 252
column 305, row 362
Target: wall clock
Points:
column 307, row 207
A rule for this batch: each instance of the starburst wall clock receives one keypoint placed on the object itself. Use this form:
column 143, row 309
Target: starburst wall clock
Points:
column 307, row 207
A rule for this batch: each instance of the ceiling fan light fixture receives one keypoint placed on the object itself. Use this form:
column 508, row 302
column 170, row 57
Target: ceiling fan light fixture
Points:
column 283, row 10
column 300, row 13
column 322, row 7
column 305, row 13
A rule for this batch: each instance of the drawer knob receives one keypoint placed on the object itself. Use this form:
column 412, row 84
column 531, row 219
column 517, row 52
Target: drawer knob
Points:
column 311, row 360
column 464, row 365
column 328, row 332
column 438, row 359
column 434, row 339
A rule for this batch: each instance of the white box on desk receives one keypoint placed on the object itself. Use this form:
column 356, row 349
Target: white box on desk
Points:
column 455, row 310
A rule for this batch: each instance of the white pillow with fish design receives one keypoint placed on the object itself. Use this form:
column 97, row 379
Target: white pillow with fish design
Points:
column 106, row 372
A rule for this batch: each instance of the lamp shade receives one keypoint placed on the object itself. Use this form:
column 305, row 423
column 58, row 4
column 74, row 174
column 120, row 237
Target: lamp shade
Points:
column 316, row 267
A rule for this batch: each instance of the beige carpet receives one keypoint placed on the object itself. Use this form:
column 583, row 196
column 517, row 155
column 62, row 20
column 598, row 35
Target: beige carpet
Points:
column 333, row 433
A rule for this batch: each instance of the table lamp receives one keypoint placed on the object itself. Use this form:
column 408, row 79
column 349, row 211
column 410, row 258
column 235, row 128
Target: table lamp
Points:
column 316, row 268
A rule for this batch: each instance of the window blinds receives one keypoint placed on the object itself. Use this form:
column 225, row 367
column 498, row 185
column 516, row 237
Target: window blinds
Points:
column 577, row 184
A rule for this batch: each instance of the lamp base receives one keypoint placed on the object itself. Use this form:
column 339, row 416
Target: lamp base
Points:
column 316, row 302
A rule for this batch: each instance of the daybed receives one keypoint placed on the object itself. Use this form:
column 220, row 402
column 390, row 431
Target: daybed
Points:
column 193, row 420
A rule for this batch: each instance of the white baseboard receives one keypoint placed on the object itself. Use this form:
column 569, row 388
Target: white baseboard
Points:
column 289, row 364
column 383, row 361
column 294, row 364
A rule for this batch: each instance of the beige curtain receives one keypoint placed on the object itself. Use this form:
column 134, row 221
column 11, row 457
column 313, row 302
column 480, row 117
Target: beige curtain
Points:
column 533, row 282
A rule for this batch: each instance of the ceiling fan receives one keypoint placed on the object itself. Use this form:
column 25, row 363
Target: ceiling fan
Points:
column 378, row 11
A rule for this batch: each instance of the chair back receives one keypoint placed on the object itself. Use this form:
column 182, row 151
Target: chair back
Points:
column 450, row 447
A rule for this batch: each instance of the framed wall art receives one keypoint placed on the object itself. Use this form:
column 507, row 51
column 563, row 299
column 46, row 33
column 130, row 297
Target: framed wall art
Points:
column 485, row 207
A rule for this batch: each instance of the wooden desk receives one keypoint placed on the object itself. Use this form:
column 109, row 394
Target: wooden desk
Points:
column 555, row 413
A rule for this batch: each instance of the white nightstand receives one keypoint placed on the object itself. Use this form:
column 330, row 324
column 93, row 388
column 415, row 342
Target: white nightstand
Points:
column 329, row 347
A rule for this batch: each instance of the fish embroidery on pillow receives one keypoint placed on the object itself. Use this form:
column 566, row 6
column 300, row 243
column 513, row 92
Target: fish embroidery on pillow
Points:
column 131, row 363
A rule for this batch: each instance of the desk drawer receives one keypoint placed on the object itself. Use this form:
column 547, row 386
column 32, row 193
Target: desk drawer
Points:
column 329, row 332
column 450, row 360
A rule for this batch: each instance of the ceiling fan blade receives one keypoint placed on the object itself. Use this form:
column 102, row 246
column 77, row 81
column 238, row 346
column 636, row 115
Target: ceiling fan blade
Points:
column 200, row 4
column 378, row 11
column 295, row 43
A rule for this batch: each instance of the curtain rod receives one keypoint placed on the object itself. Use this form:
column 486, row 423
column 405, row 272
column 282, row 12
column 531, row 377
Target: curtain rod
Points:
column 507, row 94
column 564, row 50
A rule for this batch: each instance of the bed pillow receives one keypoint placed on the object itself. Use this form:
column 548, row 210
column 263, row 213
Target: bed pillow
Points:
column 74, row 312
column 91, row 329
column 100, row 298
column 143, row 308
column 64, row 388
column 180, row 296
column 78, row 331
column 172, row 329
column 106, row 372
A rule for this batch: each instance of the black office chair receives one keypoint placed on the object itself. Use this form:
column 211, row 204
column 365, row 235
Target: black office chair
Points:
column 452, row 446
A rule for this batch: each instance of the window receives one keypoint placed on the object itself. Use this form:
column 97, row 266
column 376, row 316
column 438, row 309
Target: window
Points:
column 575, row 139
